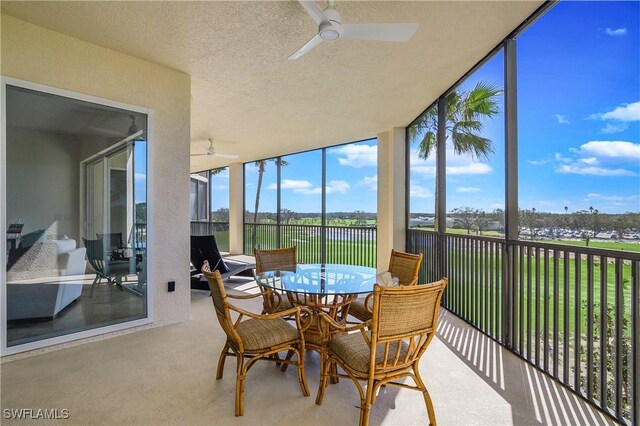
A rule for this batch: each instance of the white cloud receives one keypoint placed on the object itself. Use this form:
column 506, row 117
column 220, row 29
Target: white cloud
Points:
column 468, row 189
column 456, row 165
column 594, row 171
column 538, row 162
column 616, row 32
column 337, row 186
column 357, row 156
column 591, row 160
column 600, row 158
column 625, row 112
column 140, row 177
column 562, row 119
column 470, row 169
column 306, row 188
column 295, row 185
column 424, row 170
column 220, row 186
column 370, row 181
column 611, row 149
column 419, row 191
column 614, row 128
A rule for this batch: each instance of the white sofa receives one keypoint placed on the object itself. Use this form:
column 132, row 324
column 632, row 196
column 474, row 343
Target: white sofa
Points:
column 46, row 279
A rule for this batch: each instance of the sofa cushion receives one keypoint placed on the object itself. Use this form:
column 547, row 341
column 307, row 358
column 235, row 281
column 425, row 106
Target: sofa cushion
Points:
column 65, row 246
column 42, row 260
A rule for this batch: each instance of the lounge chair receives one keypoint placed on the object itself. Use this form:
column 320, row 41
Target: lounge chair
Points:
column 204, row 247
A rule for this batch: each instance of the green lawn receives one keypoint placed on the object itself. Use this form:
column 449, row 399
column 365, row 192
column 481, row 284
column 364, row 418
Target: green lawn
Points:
column 526, row 285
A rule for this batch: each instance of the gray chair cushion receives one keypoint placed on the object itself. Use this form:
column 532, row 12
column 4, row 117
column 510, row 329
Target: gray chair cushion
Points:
column 261, row 334
column 353, row 350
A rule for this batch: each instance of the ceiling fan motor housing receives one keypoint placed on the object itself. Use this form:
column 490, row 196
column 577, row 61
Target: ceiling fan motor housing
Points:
column 330, row 30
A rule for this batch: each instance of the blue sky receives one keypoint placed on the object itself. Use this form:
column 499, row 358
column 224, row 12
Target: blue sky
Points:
column 578, row 119
column 351, row 180
column 140, row 170
column 578, row 113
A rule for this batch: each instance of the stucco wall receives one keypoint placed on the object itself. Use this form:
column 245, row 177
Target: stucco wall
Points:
column 36, row 54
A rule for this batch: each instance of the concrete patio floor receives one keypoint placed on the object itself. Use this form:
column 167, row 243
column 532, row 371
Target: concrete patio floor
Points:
column 166, row 375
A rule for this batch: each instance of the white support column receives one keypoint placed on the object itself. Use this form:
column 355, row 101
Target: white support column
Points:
column 236, row 207
column 391, row 194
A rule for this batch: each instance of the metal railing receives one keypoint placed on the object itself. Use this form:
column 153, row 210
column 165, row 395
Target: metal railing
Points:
column 219, row 229
column 354, row 245
column 140, row 234
column 573, row 312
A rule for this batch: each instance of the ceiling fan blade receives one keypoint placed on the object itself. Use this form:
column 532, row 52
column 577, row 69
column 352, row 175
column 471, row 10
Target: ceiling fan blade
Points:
column 226, row 155
column 315, row 40
column 379, row 32
column 313, row 10
column 198, row 155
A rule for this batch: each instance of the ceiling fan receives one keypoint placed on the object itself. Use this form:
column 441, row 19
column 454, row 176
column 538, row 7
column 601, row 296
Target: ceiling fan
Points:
column 212, row 152
column 132, row 133
column 330, row 28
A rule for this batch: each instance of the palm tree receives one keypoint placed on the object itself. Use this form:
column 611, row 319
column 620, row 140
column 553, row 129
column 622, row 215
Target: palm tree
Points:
column 464, row 114
column 261, row 164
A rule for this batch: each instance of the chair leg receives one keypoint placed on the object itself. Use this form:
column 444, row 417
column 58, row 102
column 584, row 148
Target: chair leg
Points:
column 427, row 398
column 324, row 378
column 287, row 358
column 223, row 357
column 240, row 385
column 302, row 377
column 365, row 408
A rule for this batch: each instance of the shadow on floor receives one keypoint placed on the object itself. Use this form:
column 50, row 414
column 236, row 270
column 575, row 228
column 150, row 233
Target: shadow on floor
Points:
column 549, row 402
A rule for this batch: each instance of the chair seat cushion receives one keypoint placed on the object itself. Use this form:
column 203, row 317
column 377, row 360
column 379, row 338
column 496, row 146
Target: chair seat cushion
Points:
column 358, row 310
column 258, row 334
column 354, row 351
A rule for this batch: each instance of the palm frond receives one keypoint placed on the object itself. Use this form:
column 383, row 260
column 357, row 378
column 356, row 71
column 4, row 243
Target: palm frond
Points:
column 427, row 145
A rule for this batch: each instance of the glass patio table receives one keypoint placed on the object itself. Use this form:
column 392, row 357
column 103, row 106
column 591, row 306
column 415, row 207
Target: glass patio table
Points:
column 315, row 279
column 328, row 288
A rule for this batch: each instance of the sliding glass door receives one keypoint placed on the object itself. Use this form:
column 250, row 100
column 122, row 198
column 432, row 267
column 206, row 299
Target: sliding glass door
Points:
column 76, row 176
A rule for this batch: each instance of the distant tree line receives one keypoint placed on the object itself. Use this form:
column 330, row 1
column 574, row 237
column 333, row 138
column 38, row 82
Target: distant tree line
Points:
column 587, row 223
column 287, row 216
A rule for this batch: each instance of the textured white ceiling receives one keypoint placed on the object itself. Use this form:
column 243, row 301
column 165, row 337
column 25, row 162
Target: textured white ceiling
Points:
column 245, row 90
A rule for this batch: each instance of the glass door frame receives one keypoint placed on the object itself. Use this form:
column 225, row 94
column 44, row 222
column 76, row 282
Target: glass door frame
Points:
column 150, row 278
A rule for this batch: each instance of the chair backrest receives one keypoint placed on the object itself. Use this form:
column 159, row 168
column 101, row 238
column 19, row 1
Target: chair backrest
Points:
column 269, row 260
column 220, row 303
column 111, row 241
column 405, row 266
column 95, row 255
column 204, row 247
column 404, row 322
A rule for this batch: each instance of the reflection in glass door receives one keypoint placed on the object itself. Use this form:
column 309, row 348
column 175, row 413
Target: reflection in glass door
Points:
column 79, row 264
column 113, row 247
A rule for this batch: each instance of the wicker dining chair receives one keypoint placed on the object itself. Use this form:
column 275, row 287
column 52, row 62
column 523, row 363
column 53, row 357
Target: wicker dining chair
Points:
column 405, row 267
column 389, row 346
column 261, row 337
column 269, row 260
